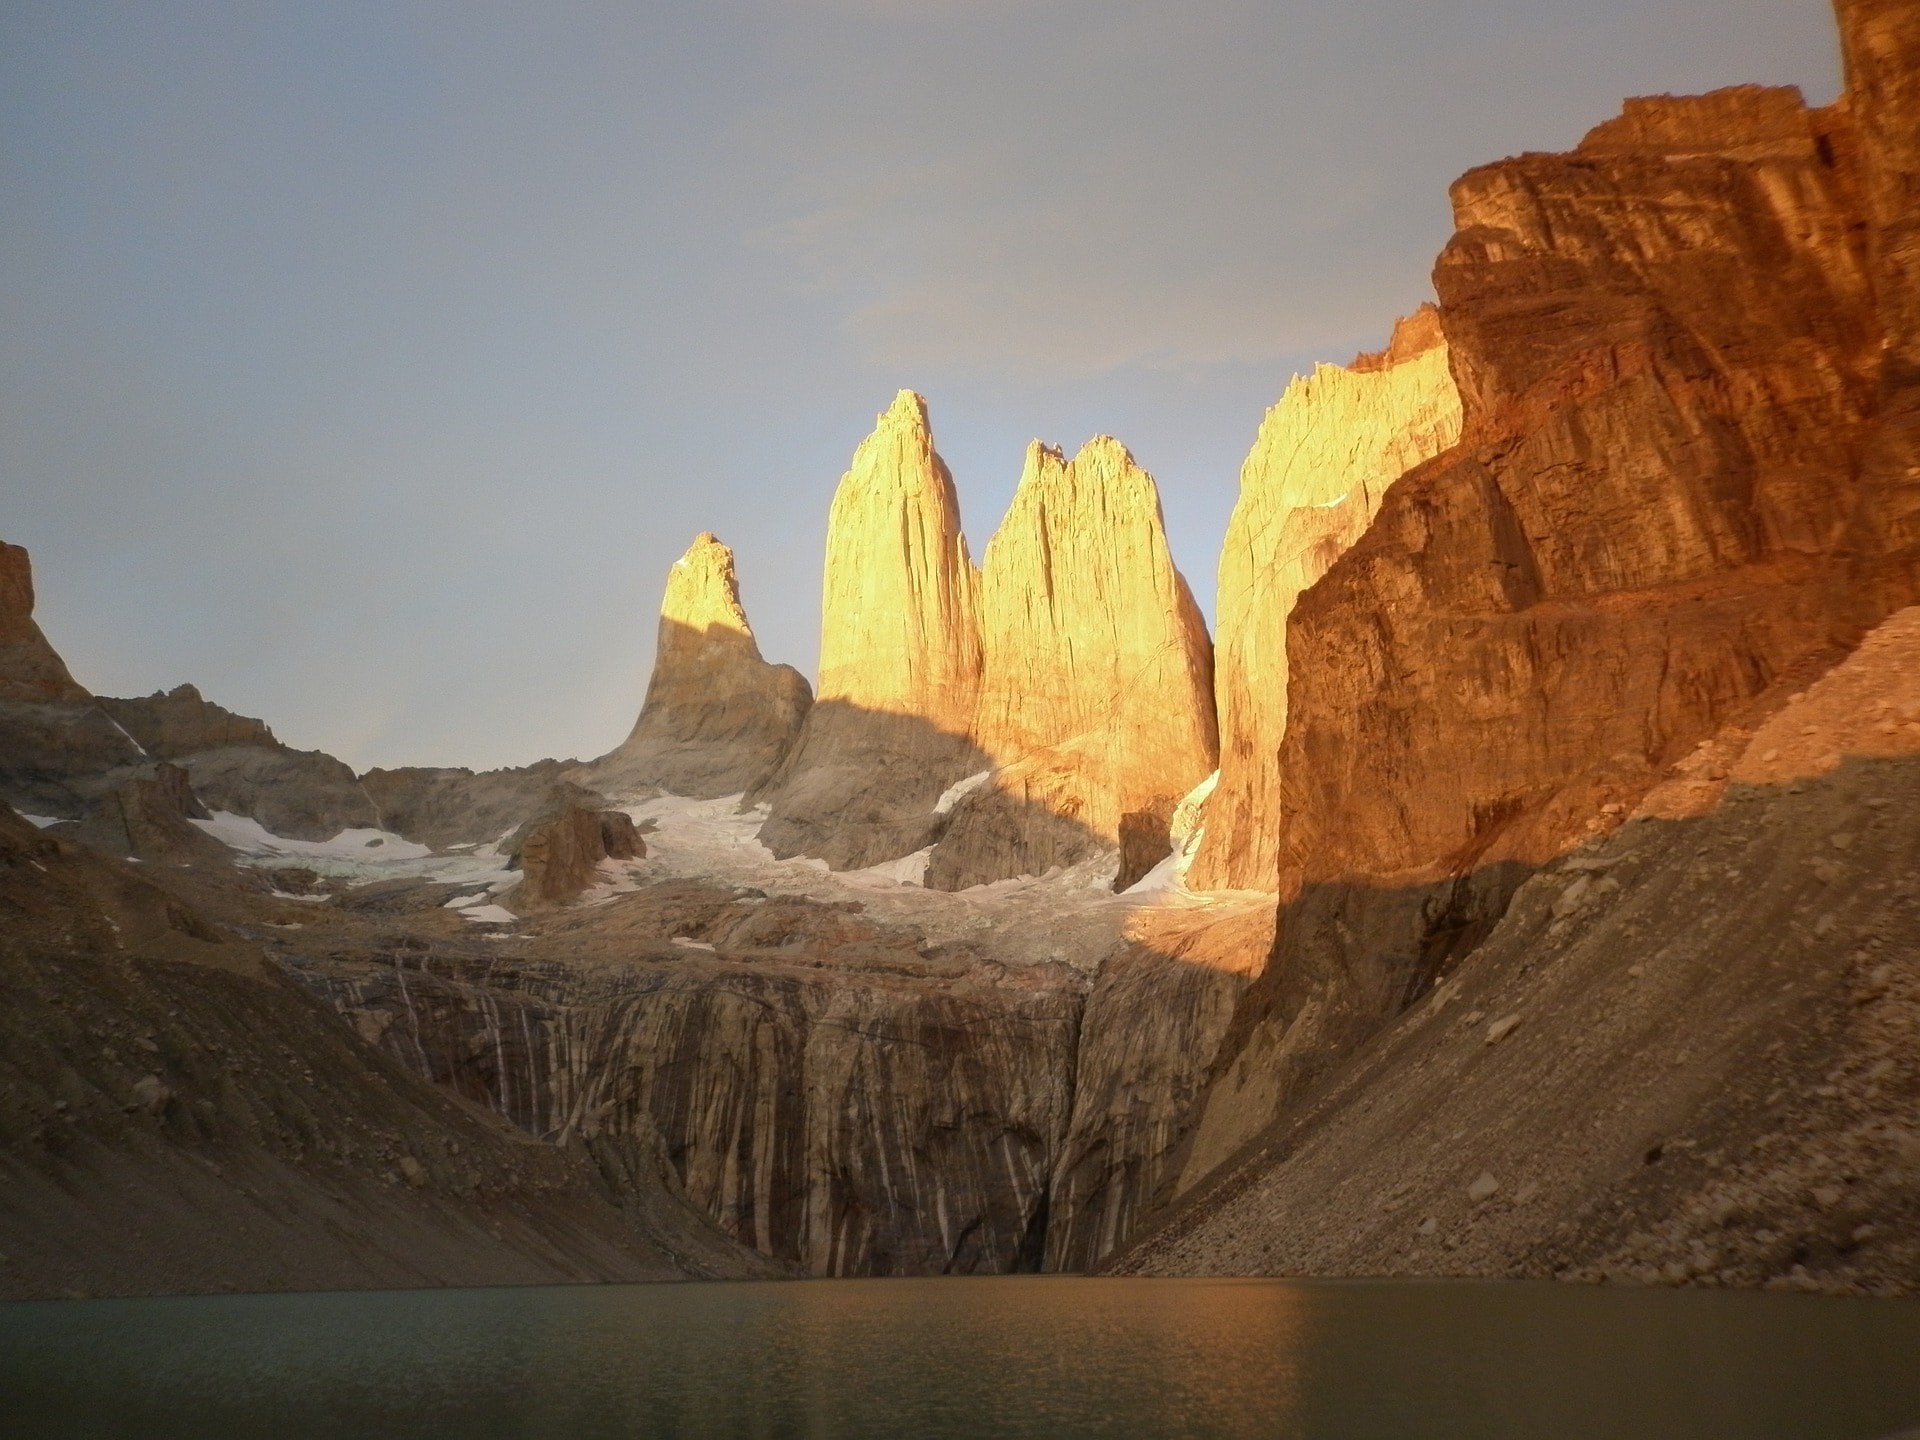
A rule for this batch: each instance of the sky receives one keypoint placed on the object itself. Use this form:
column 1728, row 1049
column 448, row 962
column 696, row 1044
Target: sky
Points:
column 367, row 365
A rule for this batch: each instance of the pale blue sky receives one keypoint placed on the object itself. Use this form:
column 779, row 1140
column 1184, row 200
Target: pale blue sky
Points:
column 367, row 364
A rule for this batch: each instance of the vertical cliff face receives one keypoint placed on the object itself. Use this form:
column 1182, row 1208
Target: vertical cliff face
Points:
column 1665, row 343
column 1096, row 693
column 829, row 1096
column 1880, row 40
column 58, row 749
column 718, row 719
column 1313, row 482
column 30, row 669
column 899, row 659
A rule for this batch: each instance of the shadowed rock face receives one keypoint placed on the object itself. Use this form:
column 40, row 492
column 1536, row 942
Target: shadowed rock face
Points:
column 58, row 751
column 30, row 669
column 827, row 1093
column 1096, row 692
column 236, row 764
column 1315, row 478
column 718, row 719
column 899, row 659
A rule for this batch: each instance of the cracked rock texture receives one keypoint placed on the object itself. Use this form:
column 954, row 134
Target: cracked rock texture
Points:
column 1096, row 700
column 1317, row 473
column 899, row 659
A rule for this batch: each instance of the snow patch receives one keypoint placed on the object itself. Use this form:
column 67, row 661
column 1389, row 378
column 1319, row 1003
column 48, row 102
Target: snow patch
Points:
column 490, row 914
column 40, row 822
column 356, row 855
column 687, row 942
column 907, row 870
column 959, row 790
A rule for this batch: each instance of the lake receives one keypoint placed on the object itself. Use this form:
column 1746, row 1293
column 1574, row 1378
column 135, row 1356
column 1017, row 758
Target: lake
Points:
column 1003, row 1356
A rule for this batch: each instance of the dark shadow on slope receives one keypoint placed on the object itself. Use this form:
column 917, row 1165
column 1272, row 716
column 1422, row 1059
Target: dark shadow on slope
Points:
column 717, row 719
column 1682, row 1045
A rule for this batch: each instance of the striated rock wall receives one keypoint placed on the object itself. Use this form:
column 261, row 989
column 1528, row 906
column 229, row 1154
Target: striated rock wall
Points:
column 1095, row 701
column 1160, row 1008
column 845, row 1105
column 718, row 719
column 1313, row 482
column 899, row 659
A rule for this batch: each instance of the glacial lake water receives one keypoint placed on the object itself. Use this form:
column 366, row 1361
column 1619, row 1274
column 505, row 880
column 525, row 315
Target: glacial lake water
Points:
column 1006, row 1356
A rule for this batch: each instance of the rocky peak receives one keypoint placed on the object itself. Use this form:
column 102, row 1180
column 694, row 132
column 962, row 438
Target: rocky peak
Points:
column 899, row 627
column 718, row 719
column 1320, row 465
column 703, row 598
column 30, row 669
column 1095, row 697
column 899, row 658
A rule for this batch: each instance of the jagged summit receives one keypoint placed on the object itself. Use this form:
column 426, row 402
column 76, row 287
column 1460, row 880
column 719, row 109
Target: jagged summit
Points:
column 1096, row 692
column 718, row 719
column 899, row 658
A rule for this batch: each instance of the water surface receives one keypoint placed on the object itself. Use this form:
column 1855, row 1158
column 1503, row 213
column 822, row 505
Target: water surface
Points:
column 1006, row 1356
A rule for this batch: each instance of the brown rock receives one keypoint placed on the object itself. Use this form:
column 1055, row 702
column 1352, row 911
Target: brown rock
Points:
column 899, row 659
column 1665, row 348
column 172, row 724
column 30, row 669
column 58, row 750
column 559, row 852
column 1322, row 463
column 718, row 719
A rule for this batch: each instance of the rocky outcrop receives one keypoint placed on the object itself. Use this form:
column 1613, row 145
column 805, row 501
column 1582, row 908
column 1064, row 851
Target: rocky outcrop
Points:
column 173, row 724
column 1095, row 704
column 235, row 764
column 559, row 851
column 1669, row 361
column 718, row 719
column 177, row 1115
column 444, row 806
column 1667, row 350
column 1160, row 1008
column 1317, row 473
column 31, row 671
column 58, row 750
column 146, row 817
column 899, row 660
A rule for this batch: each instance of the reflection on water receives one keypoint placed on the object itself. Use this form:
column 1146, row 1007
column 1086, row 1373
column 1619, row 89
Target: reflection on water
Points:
column 1005, row 1356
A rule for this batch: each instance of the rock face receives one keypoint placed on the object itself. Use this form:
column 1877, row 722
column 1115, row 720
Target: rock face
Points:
column 830, row 1095
column 30, row 669
column 451, row 805
column 1667, row 351
column 1681, row 1057
column 172, row 724
column 58, row 751
column 559, row 851
column 179, row 1115
column 718, row 719
column 1313, row 482
column 236, row 764
column 1095, row 702
column 1880, row 40
column 899, row 660
column 1670, row 362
